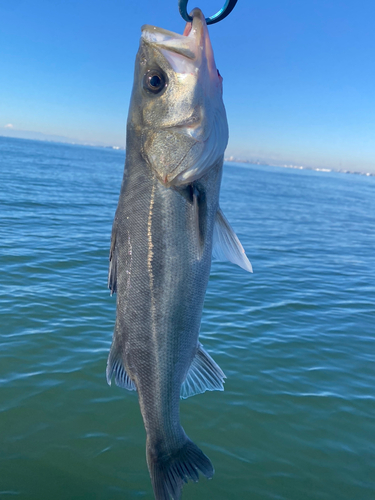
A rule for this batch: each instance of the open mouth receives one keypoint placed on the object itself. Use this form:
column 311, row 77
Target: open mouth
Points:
column 185, row 44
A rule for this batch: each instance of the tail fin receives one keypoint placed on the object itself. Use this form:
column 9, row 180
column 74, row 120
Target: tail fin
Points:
column 169, row 473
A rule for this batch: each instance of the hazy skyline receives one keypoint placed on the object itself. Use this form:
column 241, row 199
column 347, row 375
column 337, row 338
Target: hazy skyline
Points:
column 298, row 78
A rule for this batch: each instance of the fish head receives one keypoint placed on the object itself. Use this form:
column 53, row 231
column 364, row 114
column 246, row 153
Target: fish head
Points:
column 177, row 105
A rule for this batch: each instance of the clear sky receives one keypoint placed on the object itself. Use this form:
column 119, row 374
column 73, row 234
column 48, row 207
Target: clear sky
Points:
column 299, row 77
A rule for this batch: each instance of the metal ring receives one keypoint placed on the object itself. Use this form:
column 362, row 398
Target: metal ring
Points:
column 219, row 16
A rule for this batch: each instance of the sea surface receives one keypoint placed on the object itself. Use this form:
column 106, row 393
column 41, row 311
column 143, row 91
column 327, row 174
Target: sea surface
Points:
column 296, row 339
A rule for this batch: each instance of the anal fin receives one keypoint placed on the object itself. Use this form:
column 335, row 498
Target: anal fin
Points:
column 203, row 375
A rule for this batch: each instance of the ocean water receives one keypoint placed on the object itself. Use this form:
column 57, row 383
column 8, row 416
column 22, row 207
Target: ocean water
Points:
column 296, row 339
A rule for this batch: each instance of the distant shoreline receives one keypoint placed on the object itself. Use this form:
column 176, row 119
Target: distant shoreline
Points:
column 297, row 167
column 63, row 142
column 229, row 159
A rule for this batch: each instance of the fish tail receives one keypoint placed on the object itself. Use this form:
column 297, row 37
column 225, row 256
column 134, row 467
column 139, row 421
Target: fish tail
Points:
column 170, row 471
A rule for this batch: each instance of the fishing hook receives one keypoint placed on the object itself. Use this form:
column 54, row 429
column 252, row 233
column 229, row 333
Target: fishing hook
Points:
column 219, row 16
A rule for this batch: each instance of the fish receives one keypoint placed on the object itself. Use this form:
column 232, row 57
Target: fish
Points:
column 167, row 226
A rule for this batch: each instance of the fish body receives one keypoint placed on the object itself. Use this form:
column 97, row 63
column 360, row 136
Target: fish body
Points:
column 166, row 224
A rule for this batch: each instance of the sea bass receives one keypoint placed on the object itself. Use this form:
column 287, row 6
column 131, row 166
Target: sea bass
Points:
column 167, row 226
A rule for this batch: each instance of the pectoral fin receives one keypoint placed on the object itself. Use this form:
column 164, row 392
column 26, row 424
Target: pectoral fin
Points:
column 112, row 272
column 203, row 375
column 226, row 245
column 198, row 223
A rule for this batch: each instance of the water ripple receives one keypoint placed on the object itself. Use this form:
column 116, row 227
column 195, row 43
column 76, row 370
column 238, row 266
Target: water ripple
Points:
column 296, row 339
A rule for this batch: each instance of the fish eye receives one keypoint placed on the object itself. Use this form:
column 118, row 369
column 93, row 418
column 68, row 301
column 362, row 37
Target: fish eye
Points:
column 154, row 81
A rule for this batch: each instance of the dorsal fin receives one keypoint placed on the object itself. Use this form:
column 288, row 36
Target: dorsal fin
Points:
column 115, row 366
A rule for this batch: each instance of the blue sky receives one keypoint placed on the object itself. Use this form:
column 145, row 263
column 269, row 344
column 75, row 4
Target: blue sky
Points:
column 299, row 77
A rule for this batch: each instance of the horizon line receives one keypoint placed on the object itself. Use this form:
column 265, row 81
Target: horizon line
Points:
column 49, row 138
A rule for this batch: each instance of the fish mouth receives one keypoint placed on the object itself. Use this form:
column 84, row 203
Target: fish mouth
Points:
column 189, row 44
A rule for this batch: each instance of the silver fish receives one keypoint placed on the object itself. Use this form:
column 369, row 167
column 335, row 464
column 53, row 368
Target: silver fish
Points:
column 167, row 226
